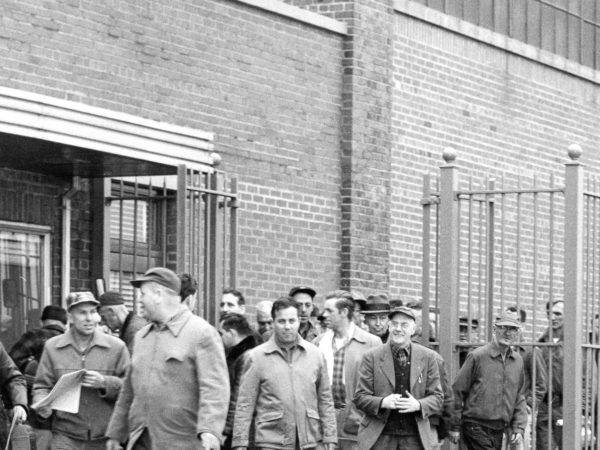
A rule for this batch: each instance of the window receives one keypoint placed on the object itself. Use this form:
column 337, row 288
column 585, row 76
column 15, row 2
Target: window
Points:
column 25, row 275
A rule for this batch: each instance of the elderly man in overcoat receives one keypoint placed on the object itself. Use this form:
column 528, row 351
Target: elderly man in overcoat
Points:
column 398, row 390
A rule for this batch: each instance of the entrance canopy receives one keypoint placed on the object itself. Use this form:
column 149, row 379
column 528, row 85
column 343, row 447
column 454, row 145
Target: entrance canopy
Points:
column 44, row 134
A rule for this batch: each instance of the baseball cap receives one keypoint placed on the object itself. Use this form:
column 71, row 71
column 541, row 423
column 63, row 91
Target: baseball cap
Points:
column 508, row 319
column 402, row 310
column 160, row 275
column 302, row 289
column 111, row 298
column 78, row 298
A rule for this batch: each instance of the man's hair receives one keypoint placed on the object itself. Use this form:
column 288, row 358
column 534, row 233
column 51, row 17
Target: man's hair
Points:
column 344, row 300
column 237, row 294
column 521, row 311
column 238, row 322
column 284, row 303
column 549, row 306
column 189, row 286
column 264, row 306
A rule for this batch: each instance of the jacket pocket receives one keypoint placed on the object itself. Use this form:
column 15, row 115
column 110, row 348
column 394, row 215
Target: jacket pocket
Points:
column 313, row 425
column 352, row 418
column 269, row 427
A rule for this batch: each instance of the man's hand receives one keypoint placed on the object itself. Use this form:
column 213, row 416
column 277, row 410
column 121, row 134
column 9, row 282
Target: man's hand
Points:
column 19, row 413
column 93, row 379
column 408, row 404
column 515, row 438
column 454, row 436
column 391, row 401
column 210, row 441
column 111, row 444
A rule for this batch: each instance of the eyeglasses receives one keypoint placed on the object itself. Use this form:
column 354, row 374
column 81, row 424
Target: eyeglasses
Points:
column 507, row 329
column 403, row 325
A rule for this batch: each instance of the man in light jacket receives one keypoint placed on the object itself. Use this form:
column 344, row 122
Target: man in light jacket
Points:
column 175, row 394
column 344, row 345
column 285, row 390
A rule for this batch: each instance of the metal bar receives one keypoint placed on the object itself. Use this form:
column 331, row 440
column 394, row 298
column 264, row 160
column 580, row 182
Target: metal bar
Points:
column 164, row 230
column 518, row 244
column 211, row 191
column 140, row 197
column 120, row 262
column 448, row 261
column 480, row 274
column 572, row 394
column 509, row 191
column 426, row 258
column 502, row 238
column 135, row 228
column 550, row 394
column 181, row 217
column 469, row 260
column 490, row 258
column 233, row 233
column 592, row 194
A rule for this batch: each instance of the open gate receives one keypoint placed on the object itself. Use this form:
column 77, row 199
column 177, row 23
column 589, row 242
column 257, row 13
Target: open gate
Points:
column 523, row 243
column 186, row 222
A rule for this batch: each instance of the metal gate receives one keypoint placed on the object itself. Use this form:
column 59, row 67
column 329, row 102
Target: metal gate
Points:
column 517, row 242
column 186, row 222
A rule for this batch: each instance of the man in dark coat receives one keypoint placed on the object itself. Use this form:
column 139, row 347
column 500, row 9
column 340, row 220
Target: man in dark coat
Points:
column 238, row 338
column 115, row 314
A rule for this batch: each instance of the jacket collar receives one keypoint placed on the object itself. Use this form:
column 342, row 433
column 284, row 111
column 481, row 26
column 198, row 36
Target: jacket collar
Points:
column 244, row 345
column 100, row 339
column 495, row 351
column 271, row 346
column 56, row 328
column 174, row 324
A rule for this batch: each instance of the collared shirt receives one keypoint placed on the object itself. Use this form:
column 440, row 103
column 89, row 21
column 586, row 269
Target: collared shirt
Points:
column 176, row 386
column 402, row 354
column 488, row 389
column 328, row 347
column 308, row 331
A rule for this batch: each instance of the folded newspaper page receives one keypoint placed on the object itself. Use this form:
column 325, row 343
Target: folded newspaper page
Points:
column 65, row 394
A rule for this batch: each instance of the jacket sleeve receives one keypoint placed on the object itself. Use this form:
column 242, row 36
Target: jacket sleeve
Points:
column 460, row 390
column 13, row 381
column 519, row 418
column 326, row 409
column 213, row 388
column 235, row 388
column 118, row 426
column 246, row 402
column 114, row 382
column 364, row 397
column 541, row 377
column 433, row 400
column 45, row 377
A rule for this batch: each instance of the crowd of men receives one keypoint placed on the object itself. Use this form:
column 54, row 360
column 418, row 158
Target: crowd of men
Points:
column 356, row 375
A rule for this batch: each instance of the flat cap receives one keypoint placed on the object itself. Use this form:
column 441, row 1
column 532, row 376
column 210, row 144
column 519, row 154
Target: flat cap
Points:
column 111, row 298
column 404, row 310
column 302, row 289
column 78, row 298
column 160, row 275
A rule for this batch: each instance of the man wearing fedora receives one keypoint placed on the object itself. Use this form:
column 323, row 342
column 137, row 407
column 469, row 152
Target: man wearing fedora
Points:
column 104, row 358
column 488, row 391
column 398, row 390
column 175, row 394
column 115, row 314
column 304, row 296
column 376, row 312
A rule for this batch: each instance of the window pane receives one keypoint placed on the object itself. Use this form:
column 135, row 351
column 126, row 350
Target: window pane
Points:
column 131, row 217
column 21, row 271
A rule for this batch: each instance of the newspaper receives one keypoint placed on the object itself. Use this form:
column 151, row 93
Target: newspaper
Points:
column 65, row 394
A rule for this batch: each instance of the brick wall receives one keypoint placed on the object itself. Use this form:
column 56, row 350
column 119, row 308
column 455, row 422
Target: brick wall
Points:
column 267, row 86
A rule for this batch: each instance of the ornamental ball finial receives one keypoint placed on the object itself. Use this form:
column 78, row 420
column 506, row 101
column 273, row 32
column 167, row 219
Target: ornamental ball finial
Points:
column 449, row 155
column 575, row 151
column 216, row 159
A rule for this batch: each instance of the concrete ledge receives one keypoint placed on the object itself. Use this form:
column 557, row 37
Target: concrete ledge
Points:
column 299, row 14
column 42, row 117
column 494, row 39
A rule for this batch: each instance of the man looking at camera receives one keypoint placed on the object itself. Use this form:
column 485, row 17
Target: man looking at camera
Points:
column 104, row 358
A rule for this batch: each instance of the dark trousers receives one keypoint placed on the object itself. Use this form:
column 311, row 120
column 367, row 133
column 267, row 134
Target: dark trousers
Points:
column 479, row 437
column 393, row 442
column 541, row 435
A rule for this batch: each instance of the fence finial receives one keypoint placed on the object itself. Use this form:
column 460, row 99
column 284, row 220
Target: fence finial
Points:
column 575, row 151
column 449, row 155
column 216, row 159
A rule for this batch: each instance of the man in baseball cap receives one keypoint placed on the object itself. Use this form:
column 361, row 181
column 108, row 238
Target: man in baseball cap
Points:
column 117, row 317
column 189, row 410
column 488, row 390
column 304, row 296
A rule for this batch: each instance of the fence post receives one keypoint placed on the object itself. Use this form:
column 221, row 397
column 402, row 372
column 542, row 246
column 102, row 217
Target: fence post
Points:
column 448, row 263
column 573, row 297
